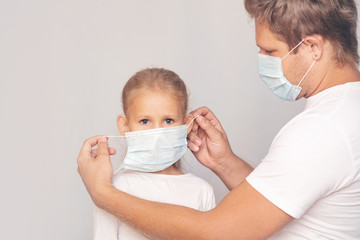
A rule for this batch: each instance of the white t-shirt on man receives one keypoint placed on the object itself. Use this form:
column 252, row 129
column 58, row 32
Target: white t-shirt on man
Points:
column 185, row 190
column 312, row 170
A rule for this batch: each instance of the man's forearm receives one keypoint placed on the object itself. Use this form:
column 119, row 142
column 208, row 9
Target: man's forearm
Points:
column 167, row 221
column 233, row 171
column 243, row 214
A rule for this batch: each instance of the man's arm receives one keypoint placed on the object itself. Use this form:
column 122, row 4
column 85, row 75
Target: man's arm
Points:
column 243, row 214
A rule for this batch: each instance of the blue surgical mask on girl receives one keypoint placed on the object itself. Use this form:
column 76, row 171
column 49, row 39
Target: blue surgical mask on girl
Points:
column 156, row 149
column 271, row 72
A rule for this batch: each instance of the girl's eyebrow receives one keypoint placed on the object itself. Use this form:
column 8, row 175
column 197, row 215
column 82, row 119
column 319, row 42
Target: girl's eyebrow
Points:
column 141, row 116
column 166, row 115
column 172, row 116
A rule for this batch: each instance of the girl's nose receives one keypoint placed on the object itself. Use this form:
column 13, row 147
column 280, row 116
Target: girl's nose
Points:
column 157, row 125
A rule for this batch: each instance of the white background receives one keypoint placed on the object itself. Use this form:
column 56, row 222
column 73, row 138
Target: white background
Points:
column 62, row 68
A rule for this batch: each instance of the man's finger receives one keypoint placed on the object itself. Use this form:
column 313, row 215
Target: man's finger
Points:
column 112, row 151
column 200, row 111
column 211, row 131
column 103, row 147
column 195, row 127
column 194, row 139
column 88, row 145
column 94, row 153
column 204, row 111
column 209, row 115
column 193, row 147
column 194, row 142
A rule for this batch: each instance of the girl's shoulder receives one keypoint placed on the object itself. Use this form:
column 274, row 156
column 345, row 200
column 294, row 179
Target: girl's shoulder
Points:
column 133, row 178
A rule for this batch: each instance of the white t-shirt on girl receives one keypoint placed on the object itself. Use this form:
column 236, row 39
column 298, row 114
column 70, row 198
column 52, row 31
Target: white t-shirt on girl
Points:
column 185, row 190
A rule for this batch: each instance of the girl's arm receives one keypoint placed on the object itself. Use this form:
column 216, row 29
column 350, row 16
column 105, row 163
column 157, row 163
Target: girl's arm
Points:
column 106, row 226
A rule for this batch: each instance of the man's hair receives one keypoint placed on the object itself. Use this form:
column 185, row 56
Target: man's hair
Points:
column 292, row 20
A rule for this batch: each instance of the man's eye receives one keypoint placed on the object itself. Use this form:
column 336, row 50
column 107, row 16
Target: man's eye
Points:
column 144, row 121
column 169, row 121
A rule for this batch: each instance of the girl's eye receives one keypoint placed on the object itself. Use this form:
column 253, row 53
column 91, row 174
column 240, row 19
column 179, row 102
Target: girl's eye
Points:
column 144, row 121
column 169, row 121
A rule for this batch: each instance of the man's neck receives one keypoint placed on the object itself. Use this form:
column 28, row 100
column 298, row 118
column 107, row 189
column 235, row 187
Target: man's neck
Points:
column 337, row 76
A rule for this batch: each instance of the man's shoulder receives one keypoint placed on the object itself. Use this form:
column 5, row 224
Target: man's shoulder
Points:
column 335, row 102
column 305, row 124
column 334, row 111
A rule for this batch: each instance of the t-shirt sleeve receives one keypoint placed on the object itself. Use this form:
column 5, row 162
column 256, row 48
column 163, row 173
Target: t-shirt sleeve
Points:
column 307, row 160
column 106, row 226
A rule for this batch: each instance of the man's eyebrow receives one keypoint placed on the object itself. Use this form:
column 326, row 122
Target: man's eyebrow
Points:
column 259, row 46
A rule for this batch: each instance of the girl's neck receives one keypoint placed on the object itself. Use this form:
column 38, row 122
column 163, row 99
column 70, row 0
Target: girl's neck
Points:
column 170, row 171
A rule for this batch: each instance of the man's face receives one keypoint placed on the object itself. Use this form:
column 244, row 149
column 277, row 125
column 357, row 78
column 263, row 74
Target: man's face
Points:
column 294, row 65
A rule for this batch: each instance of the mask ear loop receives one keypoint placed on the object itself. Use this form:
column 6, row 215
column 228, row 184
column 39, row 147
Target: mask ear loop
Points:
column 115, row 136
column 191, row 121
column 293, row 49
column 307, row 72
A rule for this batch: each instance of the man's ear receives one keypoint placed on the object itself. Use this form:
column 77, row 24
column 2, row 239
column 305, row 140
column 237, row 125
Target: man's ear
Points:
column 188, row 119
column 122, row 124
column 315, row 43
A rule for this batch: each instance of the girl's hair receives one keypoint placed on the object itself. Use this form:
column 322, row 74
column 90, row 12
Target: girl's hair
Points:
column 156, row 78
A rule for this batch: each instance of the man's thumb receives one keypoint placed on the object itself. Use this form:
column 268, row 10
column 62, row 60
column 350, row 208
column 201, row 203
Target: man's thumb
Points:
column 211, row 131
column 103, row 147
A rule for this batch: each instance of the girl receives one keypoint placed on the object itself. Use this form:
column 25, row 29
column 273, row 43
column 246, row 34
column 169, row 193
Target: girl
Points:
column 155, row 126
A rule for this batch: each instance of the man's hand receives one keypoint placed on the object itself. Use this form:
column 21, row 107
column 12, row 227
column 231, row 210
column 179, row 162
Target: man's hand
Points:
column 211, row 147
column 95, row 168
column 208, row 140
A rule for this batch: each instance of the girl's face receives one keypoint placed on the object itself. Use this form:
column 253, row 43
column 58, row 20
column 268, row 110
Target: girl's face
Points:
column 152, row 108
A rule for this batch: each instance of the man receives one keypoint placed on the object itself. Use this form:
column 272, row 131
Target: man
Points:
column 308, row 186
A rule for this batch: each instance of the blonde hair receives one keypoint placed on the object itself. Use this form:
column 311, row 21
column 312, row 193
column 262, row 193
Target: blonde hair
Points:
column 292, row 20
column 156, row 78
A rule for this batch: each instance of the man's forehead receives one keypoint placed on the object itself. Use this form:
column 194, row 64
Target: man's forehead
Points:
column 265, row 38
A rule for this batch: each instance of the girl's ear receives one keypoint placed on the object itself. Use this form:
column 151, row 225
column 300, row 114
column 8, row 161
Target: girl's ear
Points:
column 188, row 119
column 122, row 124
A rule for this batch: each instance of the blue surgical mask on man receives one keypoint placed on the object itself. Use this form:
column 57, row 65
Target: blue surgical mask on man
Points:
column 271, row 72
